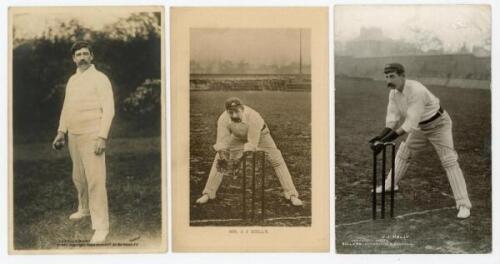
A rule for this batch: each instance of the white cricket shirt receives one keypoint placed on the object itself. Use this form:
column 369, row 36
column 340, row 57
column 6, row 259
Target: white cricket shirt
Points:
column 88, row 104
column 414, row 104
column 250, row 117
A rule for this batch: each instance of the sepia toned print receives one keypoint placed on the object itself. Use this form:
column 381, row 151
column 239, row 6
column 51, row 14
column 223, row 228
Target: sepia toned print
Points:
column 421, row 83
column 86, row 130
column 250, row 89
column 247, row 92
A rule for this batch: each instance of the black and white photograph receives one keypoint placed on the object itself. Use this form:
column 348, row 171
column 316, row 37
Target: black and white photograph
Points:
column 413, row 129
column 86, row 130
column 250, row 133
column 249, row 129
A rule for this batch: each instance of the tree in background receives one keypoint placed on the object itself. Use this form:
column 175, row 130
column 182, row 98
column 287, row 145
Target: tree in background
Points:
column 128, row 51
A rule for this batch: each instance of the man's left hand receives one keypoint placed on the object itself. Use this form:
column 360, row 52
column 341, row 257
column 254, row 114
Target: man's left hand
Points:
column 100, row 146
column 377, row 146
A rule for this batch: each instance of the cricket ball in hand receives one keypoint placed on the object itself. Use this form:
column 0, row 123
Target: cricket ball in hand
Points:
column 59, row 145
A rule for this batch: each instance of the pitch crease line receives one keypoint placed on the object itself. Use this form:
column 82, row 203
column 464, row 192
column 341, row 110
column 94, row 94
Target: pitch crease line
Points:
column 239, row 219
column 398, row 217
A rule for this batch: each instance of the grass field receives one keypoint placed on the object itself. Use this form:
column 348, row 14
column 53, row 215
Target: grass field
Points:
column 44, row 194
column 287, row 114
column 360, row 107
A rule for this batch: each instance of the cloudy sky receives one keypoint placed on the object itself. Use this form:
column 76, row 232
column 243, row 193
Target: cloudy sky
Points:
column 32, row 22
column 453, row 24
column 255, row 46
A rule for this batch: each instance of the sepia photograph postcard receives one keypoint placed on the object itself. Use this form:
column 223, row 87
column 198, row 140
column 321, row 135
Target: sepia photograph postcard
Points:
column 250, row 129
column 87, row 149
column 413, row 129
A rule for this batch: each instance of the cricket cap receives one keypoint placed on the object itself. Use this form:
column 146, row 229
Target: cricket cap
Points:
column 233, row 102
column 394, row 67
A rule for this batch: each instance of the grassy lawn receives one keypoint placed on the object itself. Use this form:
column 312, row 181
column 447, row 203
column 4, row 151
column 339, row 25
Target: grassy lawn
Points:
column 360, row 107
column 287, row 114
column 44, row 194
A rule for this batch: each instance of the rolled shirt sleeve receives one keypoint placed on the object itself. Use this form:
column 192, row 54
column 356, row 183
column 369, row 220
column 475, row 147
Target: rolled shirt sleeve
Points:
column 105, row 95
column 393, row 116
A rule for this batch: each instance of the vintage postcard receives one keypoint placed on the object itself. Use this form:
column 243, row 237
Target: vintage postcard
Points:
column 413, row 129
column 86, row 130
column 250, row 129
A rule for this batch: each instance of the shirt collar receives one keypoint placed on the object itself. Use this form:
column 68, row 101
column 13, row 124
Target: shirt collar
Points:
column 405, row 89
column 90, row 68
column 244, row 116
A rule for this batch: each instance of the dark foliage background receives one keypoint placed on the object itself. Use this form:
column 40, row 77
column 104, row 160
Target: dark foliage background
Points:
column 127, row 51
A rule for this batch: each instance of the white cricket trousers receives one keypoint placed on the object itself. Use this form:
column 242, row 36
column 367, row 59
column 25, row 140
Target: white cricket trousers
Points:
column 439, row 134
column 266, row 143
column 89, row 177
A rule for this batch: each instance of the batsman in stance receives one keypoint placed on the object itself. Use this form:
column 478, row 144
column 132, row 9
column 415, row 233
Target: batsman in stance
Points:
column 241, row 129
column 86, row 117
column 425, row 122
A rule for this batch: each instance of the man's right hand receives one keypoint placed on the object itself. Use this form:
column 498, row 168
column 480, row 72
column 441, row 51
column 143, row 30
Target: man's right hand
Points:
column 59, row 141
column 374, row 139
column 222, row 162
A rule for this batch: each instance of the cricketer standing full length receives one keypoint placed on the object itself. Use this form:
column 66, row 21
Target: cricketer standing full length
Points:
column 425, row 121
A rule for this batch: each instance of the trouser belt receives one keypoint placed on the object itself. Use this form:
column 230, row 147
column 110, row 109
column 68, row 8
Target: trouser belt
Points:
column 434, row 117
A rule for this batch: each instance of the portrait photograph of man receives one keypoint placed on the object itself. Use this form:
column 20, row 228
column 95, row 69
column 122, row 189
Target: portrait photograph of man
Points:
column 250, row 121
column 413, row 129
column 247, row 90
column 86, row 130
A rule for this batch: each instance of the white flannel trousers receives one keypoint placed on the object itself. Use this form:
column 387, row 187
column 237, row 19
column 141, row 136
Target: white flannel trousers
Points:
column 439, row 134
column 266, row 143
column 89, row 177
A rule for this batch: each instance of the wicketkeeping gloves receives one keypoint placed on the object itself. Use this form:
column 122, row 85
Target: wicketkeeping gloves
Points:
column 391, row 136
column 382, row 134
column 387, row 135
column 229, row 161
column 222, row 161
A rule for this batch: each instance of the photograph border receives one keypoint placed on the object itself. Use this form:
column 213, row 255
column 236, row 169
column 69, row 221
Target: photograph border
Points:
column 163, row 246
column 315, row 238
column 493, row 70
